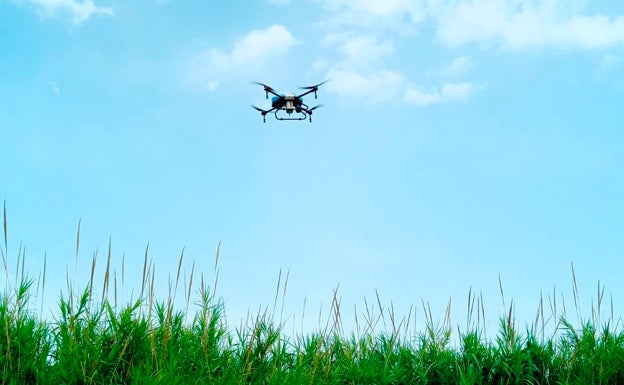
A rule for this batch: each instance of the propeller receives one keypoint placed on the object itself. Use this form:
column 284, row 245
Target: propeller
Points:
column 263, row 112
column 310, row 110
column 314, row 86
column 267, row 88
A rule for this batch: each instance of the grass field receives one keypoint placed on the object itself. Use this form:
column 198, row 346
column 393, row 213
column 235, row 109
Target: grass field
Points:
column 94, row 340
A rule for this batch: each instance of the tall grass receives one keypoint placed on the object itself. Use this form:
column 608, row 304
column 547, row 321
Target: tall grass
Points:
column 94, row 340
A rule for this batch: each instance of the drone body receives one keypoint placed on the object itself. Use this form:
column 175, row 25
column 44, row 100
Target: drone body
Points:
column 289, row 103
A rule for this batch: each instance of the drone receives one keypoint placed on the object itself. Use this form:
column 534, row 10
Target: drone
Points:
column 289, row 103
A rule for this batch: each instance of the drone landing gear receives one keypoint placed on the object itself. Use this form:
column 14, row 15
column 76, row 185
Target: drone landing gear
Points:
column 302, row 116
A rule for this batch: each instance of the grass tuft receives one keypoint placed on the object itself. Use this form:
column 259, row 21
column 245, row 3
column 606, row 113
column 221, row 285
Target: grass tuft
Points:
column 95, row 340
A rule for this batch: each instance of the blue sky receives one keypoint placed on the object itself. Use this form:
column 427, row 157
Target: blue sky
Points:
column 459, row 141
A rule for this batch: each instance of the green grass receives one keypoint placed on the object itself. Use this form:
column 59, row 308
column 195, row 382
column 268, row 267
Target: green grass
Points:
column 94, row 340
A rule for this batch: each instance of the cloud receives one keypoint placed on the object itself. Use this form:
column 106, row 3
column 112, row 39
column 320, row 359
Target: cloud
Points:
column 359, row 50
column 460, row 66
column 359, row 75
column 421, row 97
column 259, row 45
column 522, row 24
column 457, row 91
column 363, row 71
column 252, row 51
column 365, row 36
column 78, row 11
column 54, row 88
column 394, row 13
column 374, row 87
column 447, row 93
column 356, row 75
column 211, row 85
column 511, row 24
column 387, row 8
column 609, row 62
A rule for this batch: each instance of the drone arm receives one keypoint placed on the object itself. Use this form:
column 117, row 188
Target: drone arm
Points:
column 312, row 89
column 267, row 89
column 308, row 92
column 309, row 111
column 262, row 112
column 270, row 91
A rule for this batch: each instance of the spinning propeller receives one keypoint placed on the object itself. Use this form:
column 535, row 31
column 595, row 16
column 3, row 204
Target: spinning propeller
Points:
column 267, row 89
column 309, row 111
column 263, row 112
column 313, row 88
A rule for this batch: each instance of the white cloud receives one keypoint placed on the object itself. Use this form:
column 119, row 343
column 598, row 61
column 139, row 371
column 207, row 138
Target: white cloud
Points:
column 363, row 72
column 252, row 51
column 78, row 11
column 356, row 75
column 257, row 46
column 522, row 24
column 421, row 97
column 374, row 87
column 368, row 47
column 511, row 24
column 394, row 13
column 320, row 64
column 54, row 88
column 374, row 7
column 359, row 50
column 609, row 62
column 211, row 85
column 447, row 93
column 460, row 66
column 360, row 76
column 457, row 91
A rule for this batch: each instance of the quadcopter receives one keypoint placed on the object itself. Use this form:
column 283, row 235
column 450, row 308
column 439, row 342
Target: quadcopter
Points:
column 289, row 103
